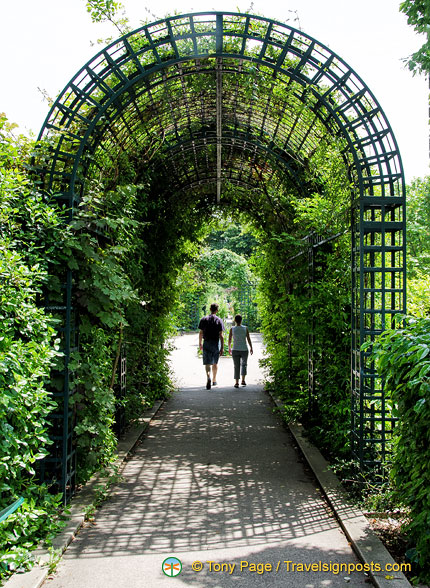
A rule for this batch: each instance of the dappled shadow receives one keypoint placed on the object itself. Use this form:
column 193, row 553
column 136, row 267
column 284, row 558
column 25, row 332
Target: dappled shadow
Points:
column 199, row 481
column 217, row 478
column 283, row 569
column 283, row 559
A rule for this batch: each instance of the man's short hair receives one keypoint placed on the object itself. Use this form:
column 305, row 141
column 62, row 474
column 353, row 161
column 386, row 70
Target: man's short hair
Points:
column 214, row 307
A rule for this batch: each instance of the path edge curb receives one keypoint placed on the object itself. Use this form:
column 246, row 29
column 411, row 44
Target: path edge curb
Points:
column 84, row 500
column 365, row 543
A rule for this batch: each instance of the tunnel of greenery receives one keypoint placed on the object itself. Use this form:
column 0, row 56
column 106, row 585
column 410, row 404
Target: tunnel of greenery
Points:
column 130, row 238
column 172, row 129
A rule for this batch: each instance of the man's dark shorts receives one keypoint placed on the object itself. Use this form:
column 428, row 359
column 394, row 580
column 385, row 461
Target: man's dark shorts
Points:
column 210, row 352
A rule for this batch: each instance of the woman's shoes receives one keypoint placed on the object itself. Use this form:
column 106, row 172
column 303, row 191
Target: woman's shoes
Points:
column 236, row 385
column 243, row 383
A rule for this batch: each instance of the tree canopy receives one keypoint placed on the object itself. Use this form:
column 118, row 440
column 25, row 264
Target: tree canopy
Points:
column 418, row 13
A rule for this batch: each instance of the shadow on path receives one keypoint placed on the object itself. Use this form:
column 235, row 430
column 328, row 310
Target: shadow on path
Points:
column 216, row 478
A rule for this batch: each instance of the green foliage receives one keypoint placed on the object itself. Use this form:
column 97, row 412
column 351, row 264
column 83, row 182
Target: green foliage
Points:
column 102, row 9
column 94, row 399
column 30, row 229
column 96, row 247
column 233, row 237
column 38, row 519
column 373, row 492
column 224, row 267
column 107, row 11
column 418, row 226
column 292, row 311
column 189, row 306
column 418, row 13
column 418, row 294
column 148, row 373
column 218, row 273
column 327, row 209
column 124, row 291
column 215, row 293
column 402, row 357
column 418, row 247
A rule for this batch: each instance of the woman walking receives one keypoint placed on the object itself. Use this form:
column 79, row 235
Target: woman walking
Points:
column 239, row 335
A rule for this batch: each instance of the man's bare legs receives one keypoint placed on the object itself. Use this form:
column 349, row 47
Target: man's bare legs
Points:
column 214, row 372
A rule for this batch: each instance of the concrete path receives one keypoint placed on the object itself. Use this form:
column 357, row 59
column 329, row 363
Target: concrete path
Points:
column 216, row 480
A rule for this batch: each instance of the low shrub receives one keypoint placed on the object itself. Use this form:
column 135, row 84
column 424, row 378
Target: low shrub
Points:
column 402, row 357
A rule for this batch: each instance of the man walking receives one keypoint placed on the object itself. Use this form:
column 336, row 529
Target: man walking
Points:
column 211, row 342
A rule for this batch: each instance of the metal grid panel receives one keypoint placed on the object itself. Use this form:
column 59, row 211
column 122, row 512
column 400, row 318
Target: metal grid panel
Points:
column 378, row 294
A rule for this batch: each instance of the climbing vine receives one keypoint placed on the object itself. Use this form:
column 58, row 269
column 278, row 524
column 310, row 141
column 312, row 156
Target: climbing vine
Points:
column 31, row 229
column 402, row 357
column 305, row 320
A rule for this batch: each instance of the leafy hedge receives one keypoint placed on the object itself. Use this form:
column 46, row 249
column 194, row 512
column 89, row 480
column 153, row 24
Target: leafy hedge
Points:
column 402, row 357
column 295, row 309
column 124, row 289
column 292, row 310
column 30, row 229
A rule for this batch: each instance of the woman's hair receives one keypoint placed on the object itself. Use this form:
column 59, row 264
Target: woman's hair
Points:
column 238, row 319
column 214, row 307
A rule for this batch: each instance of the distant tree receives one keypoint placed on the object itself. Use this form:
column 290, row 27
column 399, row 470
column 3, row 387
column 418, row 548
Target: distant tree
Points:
column 418, row 226
column 418, row 13
column 224, row 267
column 233, row 237
column 418, row 247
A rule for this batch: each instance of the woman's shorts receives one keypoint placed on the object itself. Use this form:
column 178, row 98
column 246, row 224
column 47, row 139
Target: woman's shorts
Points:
column 210, row 352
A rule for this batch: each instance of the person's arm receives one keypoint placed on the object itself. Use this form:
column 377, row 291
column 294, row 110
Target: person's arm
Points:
column 221, row 338
column 249, row 341
column 230, row 336
column 201, row 340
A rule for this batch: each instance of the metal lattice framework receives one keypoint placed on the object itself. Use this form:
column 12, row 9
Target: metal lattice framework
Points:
column 269, row 94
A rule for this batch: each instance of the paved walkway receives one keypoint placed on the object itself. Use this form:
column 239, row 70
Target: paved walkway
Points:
column 216, row 479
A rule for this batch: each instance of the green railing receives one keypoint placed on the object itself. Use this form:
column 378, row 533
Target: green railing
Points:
column 6, row 512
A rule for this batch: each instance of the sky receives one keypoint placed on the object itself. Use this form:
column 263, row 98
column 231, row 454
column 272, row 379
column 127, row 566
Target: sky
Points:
column 43, row 43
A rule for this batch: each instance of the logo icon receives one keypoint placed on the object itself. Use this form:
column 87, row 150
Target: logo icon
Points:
column 171, row 567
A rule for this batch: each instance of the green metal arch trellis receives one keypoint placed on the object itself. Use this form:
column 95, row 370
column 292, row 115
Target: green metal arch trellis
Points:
column 137, row 87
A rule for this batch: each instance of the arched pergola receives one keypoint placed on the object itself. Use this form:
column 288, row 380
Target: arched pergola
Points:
column 271, row 93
